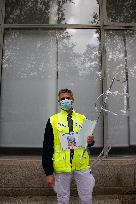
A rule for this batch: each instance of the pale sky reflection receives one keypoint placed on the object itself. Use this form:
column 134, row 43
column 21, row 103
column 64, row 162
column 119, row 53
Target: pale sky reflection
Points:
column 82, row 38
column 80, row 11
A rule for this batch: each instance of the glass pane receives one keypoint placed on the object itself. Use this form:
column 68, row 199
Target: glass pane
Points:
column 28, row 95
column 79, row 70
column 122, row 11
column 27, row 11
column 131, row 61
column 121, row 64
column 79, row 12
column 52, row 11
column 31, row 62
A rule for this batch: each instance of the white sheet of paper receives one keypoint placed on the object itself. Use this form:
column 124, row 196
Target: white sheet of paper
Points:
column 75, row 140
column 87, row 129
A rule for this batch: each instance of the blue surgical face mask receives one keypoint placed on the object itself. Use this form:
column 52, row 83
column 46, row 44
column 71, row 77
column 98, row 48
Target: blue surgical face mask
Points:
column 66, row 104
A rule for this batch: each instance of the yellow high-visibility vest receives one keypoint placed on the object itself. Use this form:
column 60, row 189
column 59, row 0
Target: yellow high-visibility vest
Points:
column 61, row 158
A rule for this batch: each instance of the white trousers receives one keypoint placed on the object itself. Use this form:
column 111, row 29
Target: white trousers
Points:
column 84, row 181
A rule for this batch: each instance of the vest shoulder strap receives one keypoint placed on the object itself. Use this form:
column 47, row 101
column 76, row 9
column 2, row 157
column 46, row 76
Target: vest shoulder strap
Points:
column 53, row 118
column 80, row 115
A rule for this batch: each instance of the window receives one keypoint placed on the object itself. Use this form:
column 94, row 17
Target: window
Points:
column 121, row 11
column 48, row 12
column 81, row 45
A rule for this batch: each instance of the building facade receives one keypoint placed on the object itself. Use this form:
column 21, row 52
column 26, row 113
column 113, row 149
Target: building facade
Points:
column 87, row 46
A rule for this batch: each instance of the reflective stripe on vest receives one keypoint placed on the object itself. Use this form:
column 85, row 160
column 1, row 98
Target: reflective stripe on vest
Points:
column 61, row 158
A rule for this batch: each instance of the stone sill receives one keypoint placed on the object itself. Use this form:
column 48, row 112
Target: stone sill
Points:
column 24, row 175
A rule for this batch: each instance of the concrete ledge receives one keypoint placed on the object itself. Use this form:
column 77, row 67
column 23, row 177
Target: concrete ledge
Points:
column 105, row 199
column 24, row 176
column 52, row 200
column 27, row 192
column 116, row 172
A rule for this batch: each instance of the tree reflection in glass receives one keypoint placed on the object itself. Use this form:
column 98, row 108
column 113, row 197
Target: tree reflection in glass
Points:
column 120, row 55
column 78, row 68
column 43, row 11
column 122, row 11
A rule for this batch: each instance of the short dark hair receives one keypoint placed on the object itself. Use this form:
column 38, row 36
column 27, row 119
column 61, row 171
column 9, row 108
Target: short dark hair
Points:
column 65, row 91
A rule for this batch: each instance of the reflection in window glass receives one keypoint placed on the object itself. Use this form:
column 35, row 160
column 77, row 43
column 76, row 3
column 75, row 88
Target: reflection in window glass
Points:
column 79, row 69
column 28, row 94
column 52, row 12
column 122, row 11
column 80, row 12
column 36, row 64
column 27, row 11
column 121, row 63
column 131, row 61
column 117, row 125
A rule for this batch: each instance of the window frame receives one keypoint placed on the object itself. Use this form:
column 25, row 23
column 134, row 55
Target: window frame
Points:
column 103, row 27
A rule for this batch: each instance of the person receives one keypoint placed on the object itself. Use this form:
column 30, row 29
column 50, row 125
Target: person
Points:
column 62, row 159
